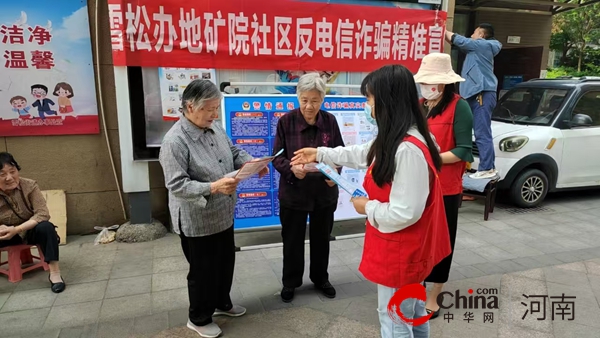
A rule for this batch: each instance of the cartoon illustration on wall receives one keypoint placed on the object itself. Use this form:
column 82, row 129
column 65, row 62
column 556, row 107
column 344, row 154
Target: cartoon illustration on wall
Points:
column 19, row 105
column 64, row 91
column 39, row 92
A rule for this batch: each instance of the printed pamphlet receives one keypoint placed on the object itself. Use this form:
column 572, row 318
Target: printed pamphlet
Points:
column 253, row 167
column 333, row 175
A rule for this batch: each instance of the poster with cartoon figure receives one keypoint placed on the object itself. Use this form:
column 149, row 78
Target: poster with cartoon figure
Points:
column 47, row 85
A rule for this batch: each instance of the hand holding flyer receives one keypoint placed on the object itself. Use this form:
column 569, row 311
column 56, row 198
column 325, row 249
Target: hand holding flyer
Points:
column 352, row 189
column 253, row 167
column 312, row 168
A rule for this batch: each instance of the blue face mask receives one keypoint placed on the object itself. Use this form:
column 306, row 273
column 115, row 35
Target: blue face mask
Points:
column 368, row 111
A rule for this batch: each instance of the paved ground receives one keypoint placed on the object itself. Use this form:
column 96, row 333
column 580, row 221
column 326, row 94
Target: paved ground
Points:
column 138, row 290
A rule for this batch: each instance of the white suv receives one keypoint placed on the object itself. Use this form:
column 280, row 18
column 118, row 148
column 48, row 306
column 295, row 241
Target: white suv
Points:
column 547, row 138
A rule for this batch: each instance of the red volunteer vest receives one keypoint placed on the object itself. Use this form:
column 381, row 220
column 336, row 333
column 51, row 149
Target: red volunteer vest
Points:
column 442, row 127
column 406, row 256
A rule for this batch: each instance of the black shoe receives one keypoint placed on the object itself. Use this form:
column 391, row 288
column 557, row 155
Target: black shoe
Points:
column 57, row 287
column 287, row 294
column 327, row 289
column 435, row 314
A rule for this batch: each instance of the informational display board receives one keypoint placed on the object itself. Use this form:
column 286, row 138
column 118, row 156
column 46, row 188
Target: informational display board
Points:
column 172, row 84
column 251, row 123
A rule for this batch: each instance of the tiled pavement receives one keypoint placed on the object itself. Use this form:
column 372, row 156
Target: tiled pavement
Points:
column 138, row 290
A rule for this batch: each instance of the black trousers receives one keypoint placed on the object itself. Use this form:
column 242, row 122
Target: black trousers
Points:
column 441, row 271
column 44, row 234
column 212, row 260
column 293, row 231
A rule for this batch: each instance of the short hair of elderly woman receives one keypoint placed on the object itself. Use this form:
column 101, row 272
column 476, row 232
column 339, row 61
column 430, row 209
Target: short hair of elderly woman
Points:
column 8, row 159
column 198, row 92
column 311, row 81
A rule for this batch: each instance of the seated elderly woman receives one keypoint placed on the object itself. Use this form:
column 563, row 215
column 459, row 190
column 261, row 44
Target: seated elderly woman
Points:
column 304, row 194
column 195, row 156
column 24, row 217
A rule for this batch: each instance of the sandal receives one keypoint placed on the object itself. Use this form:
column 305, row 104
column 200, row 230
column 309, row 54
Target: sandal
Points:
column 435, row 313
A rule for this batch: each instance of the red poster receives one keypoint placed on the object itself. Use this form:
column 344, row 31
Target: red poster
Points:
column 271, row 34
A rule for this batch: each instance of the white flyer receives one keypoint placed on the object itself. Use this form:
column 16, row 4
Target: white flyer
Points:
column 253, row 167
column 352, row 189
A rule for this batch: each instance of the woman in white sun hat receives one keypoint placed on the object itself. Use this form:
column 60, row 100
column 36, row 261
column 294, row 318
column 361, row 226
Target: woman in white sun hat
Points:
column 450, row 120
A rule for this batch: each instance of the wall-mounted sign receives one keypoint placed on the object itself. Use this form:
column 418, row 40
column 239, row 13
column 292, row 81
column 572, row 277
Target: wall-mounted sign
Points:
column 47, row 79
column 511, row 80
column 271, row 34
column 513, row 39
column 251, row 123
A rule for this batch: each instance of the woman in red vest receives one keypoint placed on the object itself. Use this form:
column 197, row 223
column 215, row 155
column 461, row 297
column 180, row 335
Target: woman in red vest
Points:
column 451, row 122
column 406, row 233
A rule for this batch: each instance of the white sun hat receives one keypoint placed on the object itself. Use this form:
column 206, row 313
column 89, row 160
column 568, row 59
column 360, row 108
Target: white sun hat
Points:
column 436, row 68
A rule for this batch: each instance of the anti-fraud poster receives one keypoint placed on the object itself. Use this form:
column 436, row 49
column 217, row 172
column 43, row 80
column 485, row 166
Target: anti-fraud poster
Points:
column 47, row 82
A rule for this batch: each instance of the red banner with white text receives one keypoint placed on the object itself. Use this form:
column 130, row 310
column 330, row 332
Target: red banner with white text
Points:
column 271, row 34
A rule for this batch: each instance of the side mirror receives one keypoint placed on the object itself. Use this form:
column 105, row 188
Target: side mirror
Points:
column 581, row 120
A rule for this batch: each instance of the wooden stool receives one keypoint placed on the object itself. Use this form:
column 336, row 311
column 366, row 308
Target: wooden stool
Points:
column 18, row 255
column 489, row 195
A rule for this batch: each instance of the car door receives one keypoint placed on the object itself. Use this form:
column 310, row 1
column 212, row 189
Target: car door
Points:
column 580, row 166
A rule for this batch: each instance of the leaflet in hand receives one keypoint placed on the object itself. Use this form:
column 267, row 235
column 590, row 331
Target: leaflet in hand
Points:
column 333, row 175
column 312, row 168
column 253, row 167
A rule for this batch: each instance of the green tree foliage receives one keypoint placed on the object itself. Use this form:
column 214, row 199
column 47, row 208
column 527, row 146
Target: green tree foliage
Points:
column 575, row 30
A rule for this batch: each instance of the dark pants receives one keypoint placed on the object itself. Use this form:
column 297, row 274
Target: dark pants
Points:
column 293, row 232
column 43, row 113
column 212, row 260
column 44, row 235
column 441, row 271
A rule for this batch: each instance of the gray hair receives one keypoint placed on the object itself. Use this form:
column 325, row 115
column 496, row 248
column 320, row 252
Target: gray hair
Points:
column 311, row 81
column 198, row 92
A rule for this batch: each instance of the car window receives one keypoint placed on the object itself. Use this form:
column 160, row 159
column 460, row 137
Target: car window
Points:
column 530, row 105
column 589, row 104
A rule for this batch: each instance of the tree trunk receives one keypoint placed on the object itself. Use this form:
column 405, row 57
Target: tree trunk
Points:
column 581, row 51
column 563, row 58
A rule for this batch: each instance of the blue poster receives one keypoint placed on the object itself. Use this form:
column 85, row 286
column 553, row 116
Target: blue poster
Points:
column 511, row 80
column 251, row 123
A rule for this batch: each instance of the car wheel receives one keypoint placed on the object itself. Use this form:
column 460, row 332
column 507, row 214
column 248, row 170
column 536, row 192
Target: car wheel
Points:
column 529, row 188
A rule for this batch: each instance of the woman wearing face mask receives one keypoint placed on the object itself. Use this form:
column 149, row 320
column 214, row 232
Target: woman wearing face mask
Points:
column 406, row 232
column 451, row 122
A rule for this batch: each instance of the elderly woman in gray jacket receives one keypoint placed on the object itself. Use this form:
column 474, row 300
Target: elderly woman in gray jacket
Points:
column 195, row 155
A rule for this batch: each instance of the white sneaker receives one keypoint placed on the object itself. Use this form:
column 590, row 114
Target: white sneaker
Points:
column 236, row 311
column 211, row 330
column 484, row 174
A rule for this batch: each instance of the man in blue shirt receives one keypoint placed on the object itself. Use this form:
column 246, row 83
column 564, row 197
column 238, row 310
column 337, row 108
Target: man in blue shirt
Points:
column 480, row 89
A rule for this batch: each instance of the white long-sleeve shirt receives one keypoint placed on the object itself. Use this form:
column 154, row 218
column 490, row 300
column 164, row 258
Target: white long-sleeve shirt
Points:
column 410, row 185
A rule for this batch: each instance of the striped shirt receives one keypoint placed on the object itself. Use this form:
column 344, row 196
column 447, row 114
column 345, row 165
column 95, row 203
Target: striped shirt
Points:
column 191, row 159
